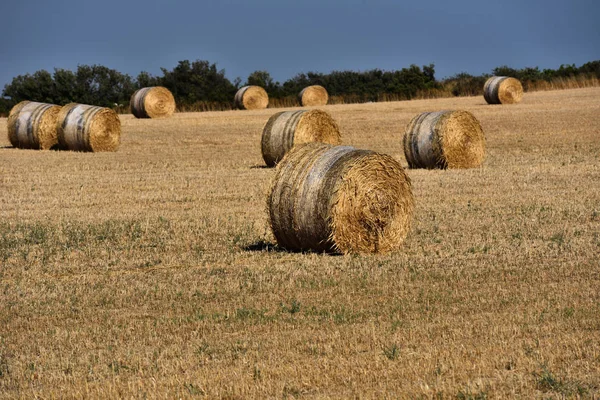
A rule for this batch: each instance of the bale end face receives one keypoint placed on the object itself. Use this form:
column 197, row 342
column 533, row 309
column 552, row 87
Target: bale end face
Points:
column 373, row 206
column 317, row 126
column 462, row 140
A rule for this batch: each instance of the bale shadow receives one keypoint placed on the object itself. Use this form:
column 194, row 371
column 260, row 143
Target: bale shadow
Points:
column 259, row 166
column 263, row 246
column 56, row 147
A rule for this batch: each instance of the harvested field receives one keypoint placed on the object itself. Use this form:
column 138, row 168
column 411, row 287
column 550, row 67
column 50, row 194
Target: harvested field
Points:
column 152, row 271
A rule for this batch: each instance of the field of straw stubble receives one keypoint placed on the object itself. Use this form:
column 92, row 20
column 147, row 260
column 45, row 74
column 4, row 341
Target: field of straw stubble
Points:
column 151, row 272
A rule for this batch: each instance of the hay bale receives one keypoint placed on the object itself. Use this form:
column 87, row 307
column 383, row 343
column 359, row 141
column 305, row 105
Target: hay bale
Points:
column 314, row 95
column 82, row 127
column 502, row 90
column 152, row 102
column 339, row 199
column 32, row 125
column 444, row 139
column 288, row 128
column 251, row 98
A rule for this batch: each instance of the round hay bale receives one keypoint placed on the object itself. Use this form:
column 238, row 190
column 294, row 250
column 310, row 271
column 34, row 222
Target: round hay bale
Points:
column 32, row 125
column 82, row 127
column 339, row 199
column 288, row 128
column 251, row 98
column 444, row 139
column 502, row 90
column 152, row 102
column 315, row 95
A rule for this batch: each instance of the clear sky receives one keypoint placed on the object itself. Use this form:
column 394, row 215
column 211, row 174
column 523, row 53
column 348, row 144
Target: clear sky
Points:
column 289, row 37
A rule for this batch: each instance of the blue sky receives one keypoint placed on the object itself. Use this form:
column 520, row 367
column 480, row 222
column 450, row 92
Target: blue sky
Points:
column 289, row 37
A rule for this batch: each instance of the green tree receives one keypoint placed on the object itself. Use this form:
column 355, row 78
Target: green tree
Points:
column 101, row 86
column 65, row 83
column 5, row 106
column 264, row 80
column 464, row 84
column 36, row 87
column 591, row 68
column 145, row 79
column 191, row 82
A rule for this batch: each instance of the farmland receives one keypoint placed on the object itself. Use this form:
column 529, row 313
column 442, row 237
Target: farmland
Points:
column 152, row 272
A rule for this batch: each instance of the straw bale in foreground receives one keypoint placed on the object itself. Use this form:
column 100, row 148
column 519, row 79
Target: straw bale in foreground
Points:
column 340, row 199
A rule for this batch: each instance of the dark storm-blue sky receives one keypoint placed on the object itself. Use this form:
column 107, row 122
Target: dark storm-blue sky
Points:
column 288, row 37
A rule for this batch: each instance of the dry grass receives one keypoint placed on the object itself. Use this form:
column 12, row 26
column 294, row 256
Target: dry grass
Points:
column 150, row 271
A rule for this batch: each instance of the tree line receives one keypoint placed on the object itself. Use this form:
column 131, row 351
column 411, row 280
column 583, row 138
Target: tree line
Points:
column 200, row 85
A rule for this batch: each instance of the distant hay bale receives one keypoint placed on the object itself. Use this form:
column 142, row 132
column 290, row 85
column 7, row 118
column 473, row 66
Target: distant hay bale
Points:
column 444, row 139
column 502, row 90
column 288, row 128
column 32, row 125
column 251, row 98
column 152, row 102
column 82, row 127
column 314, row 95
column 339, row 199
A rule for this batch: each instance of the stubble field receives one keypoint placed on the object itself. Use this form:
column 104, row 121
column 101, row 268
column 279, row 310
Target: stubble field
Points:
column 151, row 272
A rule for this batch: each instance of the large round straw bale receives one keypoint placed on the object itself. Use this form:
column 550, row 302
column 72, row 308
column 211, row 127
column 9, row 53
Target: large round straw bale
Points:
column 251, row 98
column 32, row 125
column 288, row 128
column 83, row 127
column 314, row 95
column 339, row 199
column 502, row 90
column 152, row 102
column 444, row 139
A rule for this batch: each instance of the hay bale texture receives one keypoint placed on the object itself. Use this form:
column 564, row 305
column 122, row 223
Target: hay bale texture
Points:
column 82, row 127
column 32, row 125
column 444, row 139
column 314, row 95
column 339, row 199
column 152, row 102
column 251, row 98
column 288, row 128
column 502, row 90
